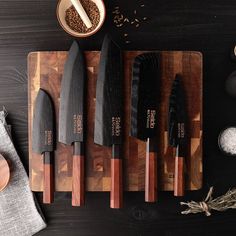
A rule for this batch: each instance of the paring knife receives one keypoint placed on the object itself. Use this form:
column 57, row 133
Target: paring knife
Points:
column 144, row 108
column 177, row 132
column 109, row 110
column 72, row 117
column 44, row 140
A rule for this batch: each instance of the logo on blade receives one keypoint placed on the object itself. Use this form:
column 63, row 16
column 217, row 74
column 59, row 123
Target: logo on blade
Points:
column 78, row 124
column 116, row 126
column 151, row 119
column 181, row 130
column 48, row 137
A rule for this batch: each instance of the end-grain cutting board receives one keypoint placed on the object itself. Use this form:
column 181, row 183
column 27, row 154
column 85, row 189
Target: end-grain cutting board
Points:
column 45, row 71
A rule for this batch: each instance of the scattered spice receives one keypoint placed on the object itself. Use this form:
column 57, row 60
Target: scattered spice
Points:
column 120, row 19
column 74, row 21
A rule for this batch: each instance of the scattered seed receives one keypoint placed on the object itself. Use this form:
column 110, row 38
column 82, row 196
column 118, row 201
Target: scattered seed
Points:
column 126, row 20
column 121, row 17
column 132, row 22
column 119, row 25
column 145, row 18
column 137, row 25
column 127, row 41
column 125, row 35
column 135, row 12
column 136, row 20
column 142, row 5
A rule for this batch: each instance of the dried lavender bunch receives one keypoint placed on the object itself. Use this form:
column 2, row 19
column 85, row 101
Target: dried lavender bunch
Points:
column 221, row 203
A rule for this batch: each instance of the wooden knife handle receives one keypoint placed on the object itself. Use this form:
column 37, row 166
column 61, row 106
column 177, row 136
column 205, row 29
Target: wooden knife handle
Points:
column 179, row 180
column 116, row 197
column 151, row 172
column 48, row 193
column 78, row 175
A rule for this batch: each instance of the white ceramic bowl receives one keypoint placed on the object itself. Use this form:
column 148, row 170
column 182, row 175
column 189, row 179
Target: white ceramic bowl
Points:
column 63, row 5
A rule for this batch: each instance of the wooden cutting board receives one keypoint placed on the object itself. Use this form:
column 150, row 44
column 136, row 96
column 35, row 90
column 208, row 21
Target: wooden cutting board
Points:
column 45, row 71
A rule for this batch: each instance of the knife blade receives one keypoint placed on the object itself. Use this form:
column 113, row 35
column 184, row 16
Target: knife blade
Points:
column 108, row 116
column 72, row 117
column 44, row 140
column 177, row 132
column 144, row 109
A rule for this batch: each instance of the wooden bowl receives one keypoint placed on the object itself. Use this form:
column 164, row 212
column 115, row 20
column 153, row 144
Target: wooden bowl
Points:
column 4, row 173
column 63, row 5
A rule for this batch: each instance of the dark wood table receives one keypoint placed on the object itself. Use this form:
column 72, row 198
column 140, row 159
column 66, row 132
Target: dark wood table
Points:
column 208, row 26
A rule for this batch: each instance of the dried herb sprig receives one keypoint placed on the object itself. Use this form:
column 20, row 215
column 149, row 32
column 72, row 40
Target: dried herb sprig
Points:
column 221, row 203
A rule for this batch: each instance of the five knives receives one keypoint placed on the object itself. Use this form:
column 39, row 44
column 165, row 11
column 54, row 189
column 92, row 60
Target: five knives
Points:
column 177, row 132
column 109, row 113
column 44, row 140
column 72, row 117
column 144, row 109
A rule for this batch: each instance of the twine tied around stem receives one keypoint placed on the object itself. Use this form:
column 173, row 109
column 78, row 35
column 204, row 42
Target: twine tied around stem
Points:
column 221, row 203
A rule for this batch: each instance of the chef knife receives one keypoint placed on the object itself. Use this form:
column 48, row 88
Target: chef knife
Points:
column 43, row 140
column 71, row 117
column 144, row 108
column 109, row 110
column 177, row 132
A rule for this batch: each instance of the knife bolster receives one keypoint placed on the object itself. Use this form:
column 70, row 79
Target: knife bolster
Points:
column 78, row 149
column 48, row 158
column 116, row 151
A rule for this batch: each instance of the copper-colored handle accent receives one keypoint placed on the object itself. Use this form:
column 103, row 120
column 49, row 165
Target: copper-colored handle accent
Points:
column 151, row 173
column 48, row 193
column 116, row 198
column 179, row 180
column 78, row 181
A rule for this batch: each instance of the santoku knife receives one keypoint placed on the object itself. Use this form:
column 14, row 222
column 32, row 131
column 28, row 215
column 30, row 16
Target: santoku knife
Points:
column 109, row 110
column 144, row 109
column 72, row 117
column 177, row 132
column 44, row 140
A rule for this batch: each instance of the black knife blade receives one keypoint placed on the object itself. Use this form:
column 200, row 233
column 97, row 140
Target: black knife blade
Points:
column 144, row 109
column 72, row 117
column 44, row 139
column 177, row 131
column 109, row 109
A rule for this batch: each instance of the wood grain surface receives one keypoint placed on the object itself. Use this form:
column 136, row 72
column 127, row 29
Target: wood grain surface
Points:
column 45, row 71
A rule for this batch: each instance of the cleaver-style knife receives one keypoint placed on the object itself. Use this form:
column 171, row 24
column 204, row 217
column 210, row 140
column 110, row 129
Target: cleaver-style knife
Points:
column 177, row 132
column 72, row 117
column 144, row 109
column 44, row 140
column 109, row 110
